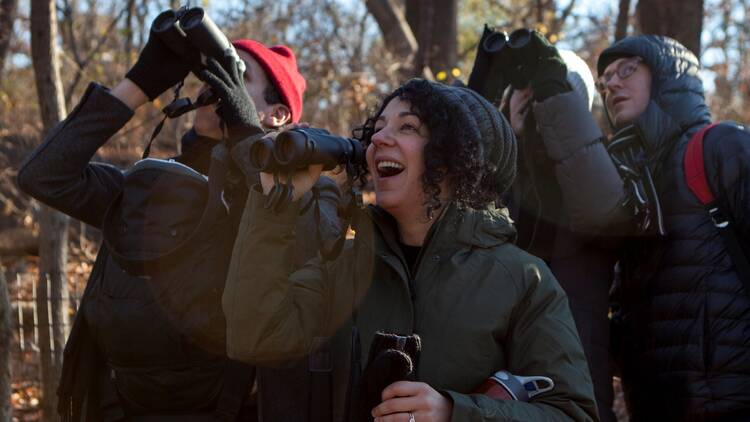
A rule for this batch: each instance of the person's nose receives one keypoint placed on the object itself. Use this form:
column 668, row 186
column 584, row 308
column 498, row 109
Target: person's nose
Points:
column 383, row 138
column 614, row 83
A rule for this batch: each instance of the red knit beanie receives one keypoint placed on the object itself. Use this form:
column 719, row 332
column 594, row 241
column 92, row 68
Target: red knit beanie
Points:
column 280, row 66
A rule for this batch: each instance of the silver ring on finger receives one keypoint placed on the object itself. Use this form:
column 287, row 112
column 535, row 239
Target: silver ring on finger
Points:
column 412, row 418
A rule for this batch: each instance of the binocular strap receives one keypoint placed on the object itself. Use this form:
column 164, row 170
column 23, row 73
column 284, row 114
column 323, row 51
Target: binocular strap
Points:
column 158, row 128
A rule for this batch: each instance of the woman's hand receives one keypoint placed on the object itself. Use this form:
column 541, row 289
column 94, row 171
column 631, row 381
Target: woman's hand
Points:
column 302, row 180
column 403, row 399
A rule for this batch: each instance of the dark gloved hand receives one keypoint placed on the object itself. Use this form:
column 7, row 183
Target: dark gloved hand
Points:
column 158, row 68
column 548, row 70
column 236, row 108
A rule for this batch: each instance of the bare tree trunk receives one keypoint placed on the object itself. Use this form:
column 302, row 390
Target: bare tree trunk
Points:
column 423, row 30
column 6, row 333
column 444, row 48
column 412, row 13
column 7, row 16
column 53, row 247
column 623, row 18
column 679, row 19
column 397, row 34
column 435, row 23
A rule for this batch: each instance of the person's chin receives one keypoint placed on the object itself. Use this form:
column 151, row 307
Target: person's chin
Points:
column 387, row 199
column 624, row 118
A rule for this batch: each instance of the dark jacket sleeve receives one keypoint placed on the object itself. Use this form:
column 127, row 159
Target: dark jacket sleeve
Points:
column 58, row 172
column 321, row 228
column 272, row 314
column 727, row 163
column 592, row 189
column 542, row 341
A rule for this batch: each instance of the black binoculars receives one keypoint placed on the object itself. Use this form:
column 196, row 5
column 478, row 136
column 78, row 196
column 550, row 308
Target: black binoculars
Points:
column 498, row 61
column 301, row 147
column 188, row 31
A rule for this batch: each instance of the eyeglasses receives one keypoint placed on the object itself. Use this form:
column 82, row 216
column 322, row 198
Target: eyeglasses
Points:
column 623, row 70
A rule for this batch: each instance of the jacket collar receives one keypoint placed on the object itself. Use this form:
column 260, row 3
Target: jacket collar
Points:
column 456, row 225
column 196, row 151
column 659, row 132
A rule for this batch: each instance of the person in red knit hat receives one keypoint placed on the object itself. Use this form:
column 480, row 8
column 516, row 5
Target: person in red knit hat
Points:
column 145, row 368
column 273, row 82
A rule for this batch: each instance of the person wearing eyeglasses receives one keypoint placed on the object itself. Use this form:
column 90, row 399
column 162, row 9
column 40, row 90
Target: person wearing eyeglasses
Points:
column 684, row 322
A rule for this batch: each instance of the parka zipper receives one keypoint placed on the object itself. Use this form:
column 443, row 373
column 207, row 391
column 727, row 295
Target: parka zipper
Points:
column 412, row 278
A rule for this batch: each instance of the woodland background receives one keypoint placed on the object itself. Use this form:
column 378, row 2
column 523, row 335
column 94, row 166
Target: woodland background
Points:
column 352, row 52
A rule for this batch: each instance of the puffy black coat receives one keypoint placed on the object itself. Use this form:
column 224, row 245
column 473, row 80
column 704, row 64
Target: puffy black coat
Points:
column 686, row 315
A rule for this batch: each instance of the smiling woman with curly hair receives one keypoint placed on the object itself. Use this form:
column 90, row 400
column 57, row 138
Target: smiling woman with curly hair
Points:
column 456, row 147
column 432, row 296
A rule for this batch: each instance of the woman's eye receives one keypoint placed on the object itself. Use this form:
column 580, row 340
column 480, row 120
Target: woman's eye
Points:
column 408, row 127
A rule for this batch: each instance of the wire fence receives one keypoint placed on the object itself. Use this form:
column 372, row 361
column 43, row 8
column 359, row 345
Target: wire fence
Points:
column 28, row 326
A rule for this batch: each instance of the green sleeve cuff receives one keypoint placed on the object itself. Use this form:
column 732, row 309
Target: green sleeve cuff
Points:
column 472, row 407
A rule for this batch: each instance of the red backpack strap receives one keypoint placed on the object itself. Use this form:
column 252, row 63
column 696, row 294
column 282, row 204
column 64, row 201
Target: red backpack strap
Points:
column 695, row 171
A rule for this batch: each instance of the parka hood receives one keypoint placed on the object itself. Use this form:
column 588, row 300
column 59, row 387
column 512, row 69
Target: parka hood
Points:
column 677, row 99
column 483, row 228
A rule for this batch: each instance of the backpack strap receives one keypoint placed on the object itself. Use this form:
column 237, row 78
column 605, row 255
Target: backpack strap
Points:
column 695, row 170
column 695, row 177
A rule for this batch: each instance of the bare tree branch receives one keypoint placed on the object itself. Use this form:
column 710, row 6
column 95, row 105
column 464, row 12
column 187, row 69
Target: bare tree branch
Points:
column 83, row 63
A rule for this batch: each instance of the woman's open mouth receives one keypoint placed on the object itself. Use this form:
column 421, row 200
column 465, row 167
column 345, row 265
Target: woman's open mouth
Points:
column 389, row 168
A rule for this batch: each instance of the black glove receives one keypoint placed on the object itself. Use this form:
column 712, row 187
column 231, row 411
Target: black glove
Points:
column 548, row 70
column 236, row 108
column 158, row 68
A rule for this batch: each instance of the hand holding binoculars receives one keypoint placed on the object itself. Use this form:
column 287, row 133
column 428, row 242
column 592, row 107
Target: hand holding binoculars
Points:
column 300, row 147
column 503, row 60
column 193, row 35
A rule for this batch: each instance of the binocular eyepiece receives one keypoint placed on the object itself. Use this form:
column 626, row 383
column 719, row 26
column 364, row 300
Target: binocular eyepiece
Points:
column 499, row 57
column 301, row 147
column 496, row 41
column 189, row 30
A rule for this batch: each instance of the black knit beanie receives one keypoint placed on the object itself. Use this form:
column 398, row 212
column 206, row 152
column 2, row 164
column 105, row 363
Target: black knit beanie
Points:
column 488, row 128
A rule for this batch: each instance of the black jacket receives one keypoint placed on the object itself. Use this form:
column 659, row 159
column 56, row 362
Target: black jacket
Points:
column 686, row 316
column 59, row 173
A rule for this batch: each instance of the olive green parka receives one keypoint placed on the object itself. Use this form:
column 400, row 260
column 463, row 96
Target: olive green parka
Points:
column 479, row 303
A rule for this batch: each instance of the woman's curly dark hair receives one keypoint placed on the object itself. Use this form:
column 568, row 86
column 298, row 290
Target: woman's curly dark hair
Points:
column 452, row 149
